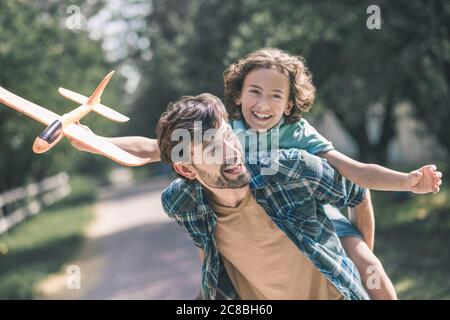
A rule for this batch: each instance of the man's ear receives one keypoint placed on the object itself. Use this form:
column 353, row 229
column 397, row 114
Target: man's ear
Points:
column 184, row 170
column 289, row 107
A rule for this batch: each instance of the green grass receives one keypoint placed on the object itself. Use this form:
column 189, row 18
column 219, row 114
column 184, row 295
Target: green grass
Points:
column 412, row 240
column 42, row 244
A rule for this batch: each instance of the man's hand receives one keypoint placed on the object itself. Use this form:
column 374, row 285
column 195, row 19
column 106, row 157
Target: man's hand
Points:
column 424, row 180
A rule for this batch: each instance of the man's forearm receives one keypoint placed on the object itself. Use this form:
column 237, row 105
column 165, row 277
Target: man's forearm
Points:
column 362, row 216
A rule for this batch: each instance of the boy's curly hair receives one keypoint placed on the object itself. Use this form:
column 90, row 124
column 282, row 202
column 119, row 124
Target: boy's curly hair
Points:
column 301, row 89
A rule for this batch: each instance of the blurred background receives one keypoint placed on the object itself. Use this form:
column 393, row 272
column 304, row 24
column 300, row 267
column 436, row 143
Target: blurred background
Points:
column 77, row 225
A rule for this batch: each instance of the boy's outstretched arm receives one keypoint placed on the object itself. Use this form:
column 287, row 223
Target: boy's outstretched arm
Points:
column 139, row 146
column 328, row 186
column 424, row 180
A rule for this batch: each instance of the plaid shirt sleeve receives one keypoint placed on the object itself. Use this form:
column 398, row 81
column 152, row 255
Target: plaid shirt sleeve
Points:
column 328, row 186
column 172, row 200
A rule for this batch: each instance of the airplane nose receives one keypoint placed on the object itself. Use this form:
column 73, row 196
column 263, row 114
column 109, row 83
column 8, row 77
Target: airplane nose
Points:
column 40, row 145
column 49, row 137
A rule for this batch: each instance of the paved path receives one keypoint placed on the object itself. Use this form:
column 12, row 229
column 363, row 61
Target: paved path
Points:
column 133, row 251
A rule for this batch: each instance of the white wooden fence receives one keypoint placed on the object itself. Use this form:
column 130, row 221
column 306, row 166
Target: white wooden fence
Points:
column 20, row 203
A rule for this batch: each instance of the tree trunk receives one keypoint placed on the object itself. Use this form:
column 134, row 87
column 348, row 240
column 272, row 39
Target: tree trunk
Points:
column 369, row 152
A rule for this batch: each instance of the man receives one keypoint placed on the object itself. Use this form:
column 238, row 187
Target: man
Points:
column 264, row 236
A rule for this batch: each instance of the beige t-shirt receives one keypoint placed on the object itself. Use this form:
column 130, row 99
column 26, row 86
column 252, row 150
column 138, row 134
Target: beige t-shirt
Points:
column 261, row 261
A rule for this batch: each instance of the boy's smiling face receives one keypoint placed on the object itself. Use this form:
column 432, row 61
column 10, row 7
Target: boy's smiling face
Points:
column 265, row 98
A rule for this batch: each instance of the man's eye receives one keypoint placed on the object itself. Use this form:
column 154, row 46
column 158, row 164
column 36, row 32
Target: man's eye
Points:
column 277, row 96
column 254, row 91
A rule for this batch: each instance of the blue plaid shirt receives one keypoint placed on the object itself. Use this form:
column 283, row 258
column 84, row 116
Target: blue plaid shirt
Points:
column 293, row 198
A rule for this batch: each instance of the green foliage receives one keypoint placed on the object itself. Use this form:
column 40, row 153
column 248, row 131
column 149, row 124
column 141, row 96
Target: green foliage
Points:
column 411, row 239
column 354, row 68
column 37, row 55
column 189, row 43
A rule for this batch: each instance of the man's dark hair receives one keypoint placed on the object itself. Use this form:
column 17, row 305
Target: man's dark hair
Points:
column 181, row 114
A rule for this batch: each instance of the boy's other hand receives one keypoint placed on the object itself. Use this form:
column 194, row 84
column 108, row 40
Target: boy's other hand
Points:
column 425, row 180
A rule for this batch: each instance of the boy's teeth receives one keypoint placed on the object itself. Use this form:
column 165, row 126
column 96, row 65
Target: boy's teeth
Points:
column 261, row 116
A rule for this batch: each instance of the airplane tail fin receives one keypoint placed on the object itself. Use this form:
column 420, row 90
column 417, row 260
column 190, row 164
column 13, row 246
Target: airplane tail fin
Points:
column 110, row 113
column 98, row 108
column 95, row 97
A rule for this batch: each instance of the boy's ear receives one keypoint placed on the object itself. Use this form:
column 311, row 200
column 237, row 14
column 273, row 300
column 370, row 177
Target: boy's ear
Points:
column 238, row 100
column 289, row 107
column 184, row 170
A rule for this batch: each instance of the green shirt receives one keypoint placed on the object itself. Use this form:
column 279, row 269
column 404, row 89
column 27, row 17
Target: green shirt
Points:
column 299, row 135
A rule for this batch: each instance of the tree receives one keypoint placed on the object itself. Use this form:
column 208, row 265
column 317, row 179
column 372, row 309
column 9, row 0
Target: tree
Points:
column 189, row 42
column 38, row 54
column 355, row 68
column 428, row 75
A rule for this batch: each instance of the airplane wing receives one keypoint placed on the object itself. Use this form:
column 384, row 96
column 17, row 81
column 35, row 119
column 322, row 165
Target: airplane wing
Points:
column 103, row 146
column 72, row 131
column 99, row 108
column 32, row 110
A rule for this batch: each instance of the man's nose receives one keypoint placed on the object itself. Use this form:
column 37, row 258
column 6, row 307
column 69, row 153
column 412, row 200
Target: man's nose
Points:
column 232, row 151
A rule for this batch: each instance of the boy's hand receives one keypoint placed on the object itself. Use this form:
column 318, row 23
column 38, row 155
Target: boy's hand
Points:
column 424, row 180
column 79, row 146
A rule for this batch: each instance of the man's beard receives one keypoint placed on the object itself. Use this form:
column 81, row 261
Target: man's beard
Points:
column 222, row 182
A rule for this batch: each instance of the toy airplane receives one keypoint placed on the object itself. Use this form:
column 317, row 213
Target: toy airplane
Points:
column 66, row 125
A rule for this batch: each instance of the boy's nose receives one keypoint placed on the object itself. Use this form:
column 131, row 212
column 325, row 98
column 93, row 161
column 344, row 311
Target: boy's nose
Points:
column 263, row 104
